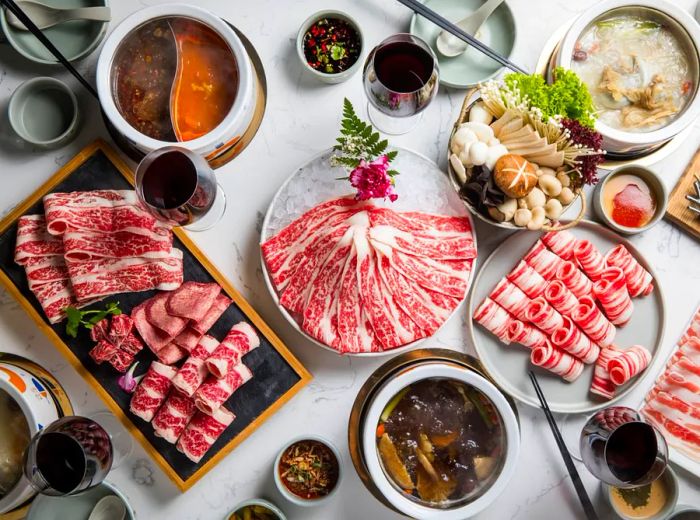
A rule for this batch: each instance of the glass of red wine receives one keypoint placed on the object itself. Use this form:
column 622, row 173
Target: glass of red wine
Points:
column 68, row 456
column 179, row 187
column 400, row 79
column 622, row 450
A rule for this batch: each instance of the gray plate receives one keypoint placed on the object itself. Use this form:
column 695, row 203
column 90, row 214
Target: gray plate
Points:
column 509, row 364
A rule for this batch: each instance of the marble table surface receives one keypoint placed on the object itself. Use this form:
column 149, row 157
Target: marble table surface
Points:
column 302, row 119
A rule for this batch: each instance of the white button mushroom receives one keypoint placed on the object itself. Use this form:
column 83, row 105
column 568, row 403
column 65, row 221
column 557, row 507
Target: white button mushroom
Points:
column 564, row 179
column 553, row 209
column 479, row 114
column 536, row 198
column 483, row 132
column 478, row 153
column 508, row 208
column 547, row 171
column 549, row 184
column 462, row 137
column 522, row 217
column 495, row 153
column 522, row 203
column 537, row 220
column 458, row 168
column 566, row 196
column 463, row 155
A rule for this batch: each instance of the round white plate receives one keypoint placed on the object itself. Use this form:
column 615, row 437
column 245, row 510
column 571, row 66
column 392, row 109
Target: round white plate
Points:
column 421, row 186
column 509, row 364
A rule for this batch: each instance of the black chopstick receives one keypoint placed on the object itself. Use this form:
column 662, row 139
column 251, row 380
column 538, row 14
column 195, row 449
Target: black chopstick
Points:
column 451, row 28
column 575, row 478
column 12, row 6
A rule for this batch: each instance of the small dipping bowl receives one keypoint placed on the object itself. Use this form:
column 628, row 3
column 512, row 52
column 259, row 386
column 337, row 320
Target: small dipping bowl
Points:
column 656, row 186
column 338, row 77
column 295, row 499
column 683, row 512
column 257, row 502
column 671, row 482
column 75, row 506
column 44, row 112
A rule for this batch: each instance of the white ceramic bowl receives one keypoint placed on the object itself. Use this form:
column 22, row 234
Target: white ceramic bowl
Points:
column 329, row 78
column 76, row 506
column 371, row 455
column 39, row 408
column 685, row 28
column 236, row 121
column 656, row 186
column 671, row 481
column 258, row 502
column 294, row 499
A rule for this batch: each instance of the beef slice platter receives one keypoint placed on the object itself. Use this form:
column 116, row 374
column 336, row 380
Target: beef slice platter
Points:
column 509, row 364
column 277, row 374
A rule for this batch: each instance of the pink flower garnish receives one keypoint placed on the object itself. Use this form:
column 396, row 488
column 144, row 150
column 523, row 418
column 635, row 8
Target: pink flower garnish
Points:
column 128, row 382
column 372, row 180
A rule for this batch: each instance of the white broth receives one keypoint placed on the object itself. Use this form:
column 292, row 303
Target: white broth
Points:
column 636, row 70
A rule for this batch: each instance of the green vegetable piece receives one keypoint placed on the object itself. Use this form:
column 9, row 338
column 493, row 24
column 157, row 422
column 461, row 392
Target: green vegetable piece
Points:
column 88, row 319
column 567, row 97
column 392, row 404
column 337, row 52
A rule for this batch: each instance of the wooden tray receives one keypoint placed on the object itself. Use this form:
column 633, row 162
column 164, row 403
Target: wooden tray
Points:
column 677, row 210
column 277, row 374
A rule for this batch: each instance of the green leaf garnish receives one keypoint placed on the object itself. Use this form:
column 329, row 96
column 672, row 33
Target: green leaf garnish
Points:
column 88, row 319
column 337, row 52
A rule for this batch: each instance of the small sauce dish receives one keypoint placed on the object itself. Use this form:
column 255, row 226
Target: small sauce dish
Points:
column 256, row 509
column 316, row 29
column 630, row 200
column 44, row 112
column 303, row 455
column 653, row 502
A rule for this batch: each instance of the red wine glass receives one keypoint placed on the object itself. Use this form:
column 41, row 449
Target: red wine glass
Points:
column 622, row 450
column 179, row 187
column 400, row 79
column 68, row 456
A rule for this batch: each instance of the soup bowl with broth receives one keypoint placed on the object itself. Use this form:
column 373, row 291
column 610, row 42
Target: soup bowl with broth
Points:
column 640, row 63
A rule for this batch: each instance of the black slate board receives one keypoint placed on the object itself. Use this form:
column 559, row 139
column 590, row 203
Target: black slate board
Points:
column 273, row 375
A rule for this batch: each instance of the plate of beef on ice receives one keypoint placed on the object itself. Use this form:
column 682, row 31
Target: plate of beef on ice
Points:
column 582, row 308
column 372, row 277
column 181, row 358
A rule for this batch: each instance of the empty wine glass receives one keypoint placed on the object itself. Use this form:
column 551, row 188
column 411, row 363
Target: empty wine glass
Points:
column 68, row 456
column 400, row 79
column 622, row 450
column 179, row 187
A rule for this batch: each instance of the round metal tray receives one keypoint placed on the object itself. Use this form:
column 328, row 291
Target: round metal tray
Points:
column 375, row 381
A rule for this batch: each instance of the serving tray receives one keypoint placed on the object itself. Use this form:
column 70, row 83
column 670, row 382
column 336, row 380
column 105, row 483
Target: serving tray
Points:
column 277, row 374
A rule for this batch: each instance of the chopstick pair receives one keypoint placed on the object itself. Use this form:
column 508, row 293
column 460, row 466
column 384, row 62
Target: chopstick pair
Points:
column 12, row 6
column 451, row 28
column 575, row 478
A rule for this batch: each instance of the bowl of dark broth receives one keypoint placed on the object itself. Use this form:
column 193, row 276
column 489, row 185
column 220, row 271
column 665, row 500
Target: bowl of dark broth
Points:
column 440, row 441
column 176, row 74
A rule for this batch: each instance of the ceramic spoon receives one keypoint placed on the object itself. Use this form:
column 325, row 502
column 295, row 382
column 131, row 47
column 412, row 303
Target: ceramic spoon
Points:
column 451, row 46
column 110, row 507
column 45, row 16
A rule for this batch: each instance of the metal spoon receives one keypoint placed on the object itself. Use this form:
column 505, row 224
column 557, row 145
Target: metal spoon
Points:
column 451, row 46
column 45, row 16
column 110, row 507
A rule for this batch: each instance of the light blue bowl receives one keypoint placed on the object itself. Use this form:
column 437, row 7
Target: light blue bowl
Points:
column 76, row 507
column 471, row 67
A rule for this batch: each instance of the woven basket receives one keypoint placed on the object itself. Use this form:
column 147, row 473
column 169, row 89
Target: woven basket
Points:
column 469, row 100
